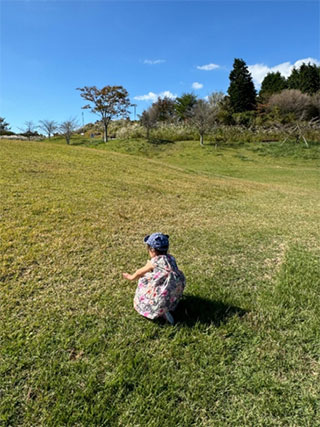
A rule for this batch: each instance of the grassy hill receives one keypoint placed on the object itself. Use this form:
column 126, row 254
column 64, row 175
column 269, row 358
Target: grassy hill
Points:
column 244, row 227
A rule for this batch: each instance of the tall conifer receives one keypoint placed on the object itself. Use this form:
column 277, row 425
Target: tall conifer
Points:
column 306, row 78
column 241, row 91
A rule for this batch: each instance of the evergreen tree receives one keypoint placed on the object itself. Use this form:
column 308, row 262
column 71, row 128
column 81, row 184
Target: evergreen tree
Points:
column 3, row 124
column 242, row 93
column 294, row 79
column 184, row 105
column 306, row 78
column 272, row 83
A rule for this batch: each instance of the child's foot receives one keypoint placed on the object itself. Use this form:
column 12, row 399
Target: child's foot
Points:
column 168, row 316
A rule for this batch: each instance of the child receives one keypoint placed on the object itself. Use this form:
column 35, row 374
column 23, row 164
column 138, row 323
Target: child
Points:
column 161, row 283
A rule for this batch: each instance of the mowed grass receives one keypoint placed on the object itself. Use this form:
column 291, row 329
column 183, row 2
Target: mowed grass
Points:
column 244, row 227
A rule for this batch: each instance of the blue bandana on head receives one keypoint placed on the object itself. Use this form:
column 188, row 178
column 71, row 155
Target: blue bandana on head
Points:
column 157, row 241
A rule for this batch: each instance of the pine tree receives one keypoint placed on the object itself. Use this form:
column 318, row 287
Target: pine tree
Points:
column 306, row 78
column 242, row 93
column 272, row 83
column 184, row 105
column 3, row 124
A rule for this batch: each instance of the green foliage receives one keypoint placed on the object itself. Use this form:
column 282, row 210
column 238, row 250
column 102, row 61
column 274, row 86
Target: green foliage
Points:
column 6, row 132
column 306, row 78
column 184, row 105
column 109, row 102
column 164, row 109
column 241, row 91
column 246, row 118
column 272, row 83
column 4, row 126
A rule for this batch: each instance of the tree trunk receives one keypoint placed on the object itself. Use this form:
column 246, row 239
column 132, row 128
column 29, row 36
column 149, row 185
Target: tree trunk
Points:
column 201, row 139
column 105, row 136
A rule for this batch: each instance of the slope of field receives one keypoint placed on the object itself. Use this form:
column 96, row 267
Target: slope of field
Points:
column 244, row 228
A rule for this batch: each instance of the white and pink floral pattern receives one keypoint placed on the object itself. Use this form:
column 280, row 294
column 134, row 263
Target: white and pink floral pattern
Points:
column 160, row 290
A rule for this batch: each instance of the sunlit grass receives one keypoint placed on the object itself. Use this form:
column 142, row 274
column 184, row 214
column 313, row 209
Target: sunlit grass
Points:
column 245, row 231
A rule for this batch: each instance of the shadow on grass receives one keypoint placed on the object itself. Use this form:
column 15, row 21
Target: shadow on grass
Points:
column 159, row 141
column 87, row 143
column 78, row 142
column 225, row 144
column 193, row 309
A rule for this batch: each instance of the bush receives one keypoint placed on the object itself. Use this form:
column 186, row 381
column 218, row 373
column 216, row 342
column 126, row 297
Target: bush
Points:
column 246, row 118
column 130, row 130
column 293, row 101
column 225, row 117
column 174, row 132
column 4, row 132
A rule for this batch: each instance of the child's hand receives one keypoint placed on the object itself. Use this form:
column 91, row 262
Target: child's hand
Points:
column 128, row 276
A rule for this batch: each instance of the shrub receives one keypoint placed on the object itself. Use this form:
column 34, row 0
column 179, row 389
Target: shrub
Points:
column 130, row 130
column 174, row 132
column 292, row 101
column 245, row 119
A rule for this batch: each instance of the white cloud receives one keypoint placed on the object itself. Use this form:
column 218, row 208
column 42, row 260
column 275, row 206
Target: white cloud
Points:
column 208, row 67
column 197, row 85
column 154, row 61
column 151, row 96
column 298, row 63
column 259, row 71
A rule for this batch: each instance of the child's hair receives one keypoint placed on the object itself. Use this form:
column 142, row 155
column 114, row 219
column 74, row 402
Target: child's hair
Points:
column 158, row 251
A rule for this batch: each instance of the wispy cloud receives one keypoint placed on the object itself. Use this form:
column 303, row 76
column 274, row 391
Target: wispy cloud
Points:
column 208, row 67
column 154, row 61
column 259, row 71
column 151, row 96
column 197, row 85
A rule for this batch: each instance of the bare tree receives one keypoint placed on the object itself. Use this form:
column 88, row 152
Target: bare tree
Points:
column 203, row 118
column 215, row 99
column 108, row 102
column 68, row 127
column 48, row 126
column 148, row 119
column 29, row 129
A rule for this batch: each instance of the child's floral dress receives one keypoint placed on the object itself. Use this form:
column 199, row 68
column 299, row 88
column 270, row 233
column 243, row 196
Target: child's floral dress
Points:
column 161, row 289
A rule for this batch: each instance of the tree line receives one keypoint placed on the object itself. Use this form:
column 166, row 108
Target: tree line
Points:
column 48, row 127
column 279, row 99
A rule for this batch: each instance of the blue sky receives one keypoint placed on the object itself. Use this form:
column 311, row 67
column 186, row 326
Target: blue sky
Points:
column 49, row 48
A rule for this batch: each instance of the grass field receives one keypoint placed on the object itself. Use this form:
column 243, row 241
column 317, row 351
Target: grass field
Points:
column 244, row 226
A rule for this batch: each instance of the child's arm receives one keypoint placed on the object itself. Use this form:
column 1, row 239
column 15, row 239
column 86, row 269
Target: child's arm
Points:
column 139, row 273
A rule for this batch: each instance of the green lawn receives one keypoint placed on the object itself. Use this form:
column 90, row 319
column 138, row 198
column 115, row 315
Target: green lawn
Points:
column 244, row 227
